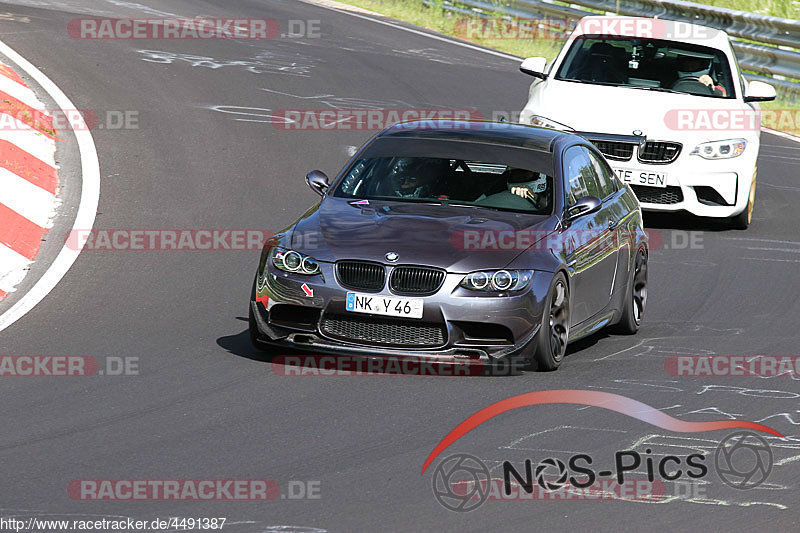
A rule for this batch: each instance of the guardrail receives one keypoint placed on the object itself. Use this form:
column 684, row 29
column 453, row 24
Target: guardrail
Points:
column 763, row 60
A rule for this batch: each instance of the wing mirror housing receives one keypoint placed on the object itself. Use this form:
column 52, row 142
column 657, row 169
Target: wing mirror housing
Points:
column 318, row 182
column 584, row 206
column 534, row 66
column 758, row 91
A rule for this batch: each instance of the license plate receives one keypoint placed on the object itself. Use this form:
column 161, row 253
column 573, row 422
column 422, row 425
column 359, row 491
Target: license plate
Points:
column 384, row 305
column 642, row 177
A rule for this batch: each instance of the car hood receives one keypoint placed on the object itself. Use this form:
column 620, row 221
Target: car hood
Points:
column 620, row 110
column 457, row 239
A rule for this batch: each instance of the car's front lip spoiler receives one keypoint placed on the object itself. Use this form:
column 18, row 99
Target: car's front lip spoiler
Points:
column 447, row 355
column 313, row 341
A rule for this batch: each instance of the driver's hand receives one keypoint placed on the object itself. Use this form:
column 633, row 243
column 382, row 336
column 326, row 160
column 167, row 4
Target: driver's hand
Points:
column 520, row 191
column 705, row 79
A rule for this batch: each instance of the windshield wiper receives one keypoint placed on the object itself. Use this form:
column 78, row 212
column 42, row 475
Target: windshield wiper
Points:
column 400, row 199
column 463, row 205
column 495, row 208
column 607, row 83
column 657, row 89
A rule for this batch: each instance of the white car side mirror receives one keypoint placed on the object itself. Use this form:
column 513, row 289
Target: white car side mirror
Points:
column 534, row 66
column 758, row 91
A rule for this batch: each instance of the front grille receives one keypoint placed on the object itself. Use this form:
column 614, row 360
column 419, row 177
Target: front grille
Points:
column 656, row 195
column 659, row 152
column 618, row 151
column 415, row 280
column 361, row 275
column 391, row 332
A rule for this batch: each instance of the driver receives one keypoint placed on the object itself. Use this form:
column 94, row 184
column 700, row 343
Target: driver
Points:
column 528, row 184
column 697, row 68
column 415, row 177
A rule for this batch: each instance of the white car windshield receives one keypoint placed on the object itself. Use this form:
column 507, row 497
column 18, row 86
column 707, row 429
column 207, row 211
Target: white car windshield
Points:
column 653, row 64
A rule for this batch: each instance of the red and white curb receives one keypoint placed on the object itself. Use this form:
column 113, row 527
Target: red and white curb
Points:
column 31, row 210
column 28, row 178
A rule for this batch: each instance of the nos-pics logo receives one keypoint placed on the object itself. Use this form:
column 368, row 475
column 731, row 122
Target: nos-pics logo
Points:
column 462, row 482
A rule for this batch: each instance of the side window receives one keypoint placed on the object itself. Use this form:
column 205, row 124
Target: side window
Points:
column 580, row 176
column 605, row 176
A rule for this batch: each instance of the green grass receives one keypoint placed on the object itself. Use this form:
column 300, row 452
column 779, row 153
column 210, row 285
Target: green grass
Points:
column 453, row 24
column 415, row 12
column 787, row 9
column 781, row 116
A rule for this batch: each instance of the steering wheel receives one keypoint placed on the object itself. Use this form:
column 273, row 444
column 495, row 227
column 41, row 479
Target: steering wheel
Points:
column 691, row 85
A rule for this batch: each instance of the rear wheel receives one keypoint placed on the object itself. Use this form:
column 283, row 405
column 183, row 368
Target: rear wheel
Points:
column 635, row 297
column 551, row 342
column 743, row 219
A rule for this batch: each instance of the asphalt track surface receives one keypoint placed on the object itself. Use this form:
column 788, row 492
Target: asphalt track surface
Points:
column 205, row 407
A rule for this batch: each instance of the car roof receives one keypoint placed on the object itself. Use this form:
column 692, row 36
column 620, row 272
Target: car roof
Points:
column 686, row 32
column 477, row 131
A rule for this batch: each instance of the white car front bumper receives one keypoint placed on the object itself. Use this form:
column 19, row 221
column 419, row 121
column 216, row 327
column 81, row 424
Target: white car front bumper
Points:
column 707, row 188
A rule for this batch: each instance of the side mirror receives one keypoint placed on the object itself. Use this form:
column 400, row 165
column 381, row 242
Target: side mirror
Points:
column 758, row 91
column 318, row 182
column 534, row 66
column 584, row 206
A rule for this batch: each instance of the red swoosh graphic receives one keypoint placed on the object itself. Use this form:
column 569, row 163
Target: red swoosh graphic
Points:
column 605, row 400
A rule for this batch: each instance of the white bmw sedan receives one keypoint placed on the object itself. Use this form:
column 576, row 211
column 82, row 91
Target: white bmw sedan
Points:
column 677, row 84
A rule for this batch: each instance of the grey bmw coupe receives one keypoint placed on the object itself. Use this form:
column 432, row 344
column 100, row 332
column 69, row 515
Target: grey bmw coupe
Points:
column 457, row 240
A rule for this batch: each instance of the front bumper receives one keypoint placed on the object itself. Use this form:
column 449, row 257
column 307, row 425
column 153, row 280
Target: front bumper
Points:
column 705, row 188
column 473, row 327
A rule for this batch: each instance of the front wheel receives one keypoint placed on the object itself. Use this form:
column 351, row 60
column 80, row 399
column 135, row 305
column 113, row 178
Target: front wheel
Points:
column 551, row 342
column 743, row 219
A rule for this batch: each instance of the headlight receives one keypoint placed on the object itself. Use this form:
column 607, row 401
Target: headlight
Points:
column 292, row 261
column 720, row 149
column 497, row 280
column 544, row 122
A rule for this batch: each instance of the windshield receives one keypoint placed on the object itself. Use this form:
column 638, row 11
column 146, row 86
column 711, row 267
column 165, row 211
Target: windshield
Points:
column 648, row 64
column 467, row 183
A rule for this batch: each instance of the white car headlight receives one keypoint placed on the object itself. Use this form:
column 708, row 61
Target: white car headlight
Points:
column 720, row 149
column 497, row 280
column 292, row 261
column 544, row 122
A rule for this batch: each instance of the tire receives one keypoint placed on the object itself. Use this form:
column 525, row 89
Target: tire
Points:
column 743, row 219
column 553, row 336
column 635, row 296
